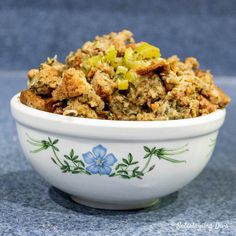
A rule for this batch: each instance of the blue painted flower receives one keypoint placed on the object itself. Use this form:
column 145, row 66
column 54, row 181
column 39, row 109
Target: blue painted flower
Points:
column 99, row 161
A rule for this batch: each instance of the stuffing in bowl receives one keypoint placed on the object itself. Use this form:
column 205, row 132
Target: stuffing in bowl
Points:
column 117, row 126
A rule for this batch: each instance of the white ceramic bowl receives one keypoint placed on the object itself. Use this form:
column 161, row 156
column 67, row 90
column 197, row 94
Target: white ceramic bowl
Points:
column 115, row 164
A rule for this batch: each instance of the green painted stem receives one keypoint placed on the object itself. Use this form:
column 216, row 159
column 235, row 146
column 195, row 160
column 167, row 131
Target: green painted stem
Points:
column 57, row 157
column 83, row 171
column 34, row 143
column 34, row 140
column 176, row 152
column 171, row 160
column 147, row 163
column 38, row 150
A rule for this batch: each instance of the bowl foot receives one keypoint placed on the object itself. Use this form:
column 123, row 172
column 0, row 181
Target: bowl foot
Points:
column 115, row 206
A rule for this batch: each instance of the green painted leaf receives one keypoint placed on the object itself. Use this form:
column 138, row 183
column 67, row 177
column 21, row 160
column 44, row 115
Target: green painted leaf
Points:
column 117, row 167
column 75, row 158
column 123, row 165
column 159, row 152
column 67, row 157
column 78, row 168
column 72, row 152
column 63, row 167
column 122, row 172
column 113, row 174
column 125, row 161
column 49, row 139
column 134, row 163
column 82, row 164
column 147, row 155
column 53, row 160
column 130, row 158
column 151, row 168
column 135, row 169
column 153, row 150
column 55, row 141
column 147, row 149
column 140, row 173
column 67, row 164
column 125, row 176
column 75, row 171
column 45, row 143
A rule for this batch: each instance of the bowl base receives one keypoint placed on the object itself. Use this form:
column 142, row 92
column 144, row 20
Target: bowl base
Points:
column 118, row 206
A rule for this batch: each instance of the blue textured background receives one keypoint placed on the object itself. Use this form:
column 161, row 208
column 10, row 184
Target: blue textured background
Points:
column 31, row 30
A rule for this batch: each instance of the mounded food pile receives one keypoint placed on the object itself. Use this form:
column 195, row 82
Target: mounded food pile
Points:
column 115, row 78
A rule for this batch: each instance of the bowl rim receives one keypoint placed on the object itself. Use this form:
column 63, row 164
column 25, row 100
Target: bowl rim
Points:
column 60, row 118
column 32, row 117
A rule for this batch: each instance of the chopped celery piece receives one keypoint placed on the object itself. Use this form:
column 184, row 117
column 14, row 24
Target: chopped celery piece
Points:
column 111, row 54
column 121, row 70
column 128, row 55
column 131, row 60
column 122, row 84
column 131, row 76
column 118, row 62
column 137, row 64
column 147, row 51
column 93, row 61
column 85, row 66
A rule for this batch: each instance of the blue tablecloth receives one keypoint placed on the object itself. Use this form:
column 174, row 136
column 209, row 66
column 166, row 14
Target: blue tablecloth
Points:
column 29, row 206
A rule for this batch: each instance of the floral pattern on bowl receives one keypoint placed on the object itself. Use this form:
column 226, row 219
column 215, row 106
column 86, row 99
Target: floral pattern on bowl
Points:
column 101, row 162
